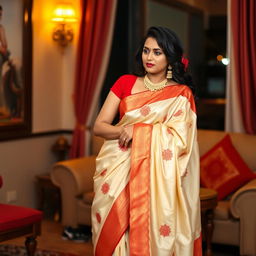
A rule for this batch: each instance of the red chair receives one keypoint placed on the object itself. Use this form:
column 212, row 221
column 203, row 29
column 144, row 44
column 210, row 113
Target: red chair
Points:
column 18, row 221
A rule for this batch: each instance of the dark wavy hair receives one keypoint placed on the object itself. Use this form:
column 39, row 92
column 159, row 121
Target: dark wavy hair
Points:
column 169, row 42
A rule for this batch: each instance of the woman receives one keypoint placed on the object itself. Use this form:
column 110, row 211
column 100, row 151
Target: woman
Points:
column 147, row 178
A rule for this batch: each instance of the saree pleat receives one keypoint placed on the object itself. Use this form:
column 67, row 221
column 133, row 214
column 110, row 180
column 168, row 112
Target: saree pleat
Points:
column 147, row 196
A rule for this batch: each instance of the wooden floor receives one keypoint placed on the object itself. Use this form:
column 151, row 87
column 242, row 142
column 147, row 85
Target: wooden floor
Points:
column 51, row 240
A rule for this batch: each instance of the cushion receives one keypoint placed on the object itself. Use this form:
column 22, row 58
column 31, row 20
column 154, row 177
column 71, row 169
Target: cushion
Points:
column 223, row 169
column 12, row 216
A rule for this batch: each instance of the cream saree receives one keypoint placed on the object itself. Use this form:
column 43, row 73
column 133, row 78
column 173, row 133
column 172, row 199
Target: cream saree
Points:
column 147, row 196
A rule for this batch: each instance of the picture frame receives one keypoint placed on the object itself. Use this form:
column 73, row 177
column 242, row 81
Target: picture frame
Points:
column 15, row 68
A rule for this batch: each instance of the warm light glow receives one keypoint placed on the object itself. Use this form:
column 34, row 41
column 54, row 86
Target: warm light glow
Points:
column 219, row 57
column 225, row 61
column 26, row 16
column 63, row 33
column 64, row 13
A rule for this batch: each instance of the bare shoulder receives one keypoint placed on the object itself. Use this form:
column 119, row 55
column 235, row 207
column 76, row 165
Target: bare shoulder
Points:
column 140, row 80
column 138, row 85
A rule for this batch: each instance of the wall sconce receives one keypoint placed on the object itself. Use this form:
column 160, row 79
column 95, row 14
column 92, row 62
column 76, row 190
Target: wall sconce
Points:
column 64, row 14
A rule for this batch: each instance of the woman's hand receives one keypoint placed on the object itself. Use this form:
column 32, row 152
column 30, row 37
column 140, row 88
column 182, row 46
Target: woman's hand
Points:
column 126, row 136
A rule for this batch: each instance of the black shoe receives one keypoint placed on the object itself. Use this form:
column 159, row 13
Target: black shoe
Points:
column 75, row 235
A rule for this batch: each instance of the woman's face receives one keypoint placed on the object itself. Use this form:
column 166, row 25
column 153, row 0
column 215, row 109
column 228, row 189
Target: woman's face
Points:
column 153, row 58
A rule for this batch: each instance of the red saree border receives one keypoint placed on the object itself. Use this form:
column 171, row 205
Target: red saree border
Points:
column 198, row 246
column 115, row 225
column 140, row 190
column 138, row 100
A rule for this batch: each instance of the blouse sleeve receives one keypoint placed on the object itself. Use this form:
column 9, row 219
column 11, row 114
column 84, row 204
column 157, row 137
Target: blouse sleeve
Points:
column 117, row 88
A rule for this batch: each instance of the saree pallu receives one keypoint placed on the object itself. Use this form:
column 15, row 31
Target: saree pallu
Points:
column 147, row 195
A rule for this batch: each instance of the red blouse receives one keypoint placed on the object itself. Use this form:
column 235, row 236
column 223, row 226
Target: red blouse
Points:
column 123, row 86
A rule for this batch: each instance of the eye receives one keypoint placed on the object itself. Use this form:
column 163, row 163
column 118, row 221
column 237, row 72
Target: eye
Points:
column 145, row 51
column 157, row 53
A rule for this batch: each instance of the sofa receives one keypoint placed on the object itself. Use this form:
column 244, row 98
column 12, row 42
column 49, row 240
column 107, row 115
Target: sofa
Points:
column 234, row 216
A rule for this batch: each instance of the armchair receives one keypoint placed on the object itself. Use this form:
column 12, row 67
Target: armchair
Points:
column 75, row 180
column 243, row 208
column 235, row 216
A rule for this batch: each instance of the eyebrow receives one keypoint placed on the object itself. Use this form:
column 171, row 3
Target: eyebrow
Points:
column 153, row 48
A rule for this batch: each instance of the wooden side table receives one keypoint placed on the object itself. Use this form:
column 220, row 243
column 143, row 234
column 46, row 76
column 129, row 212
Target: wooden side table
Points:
column 43, row 183
column 208, row 198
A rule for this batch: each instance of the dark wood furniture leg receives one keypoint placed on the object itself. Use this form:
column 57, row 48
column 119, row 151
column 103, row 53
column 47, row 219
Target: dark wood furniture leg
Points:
column 209, row 231
column 31, row 244
column 208, row 199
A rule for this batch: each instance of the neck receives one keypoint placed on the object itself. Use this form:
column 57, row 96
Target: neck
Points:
column 156, row 78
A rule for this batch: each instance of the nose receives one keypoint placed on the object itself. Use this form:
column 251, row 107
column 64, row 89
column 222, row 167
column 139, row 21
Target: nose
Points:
column 149, row 57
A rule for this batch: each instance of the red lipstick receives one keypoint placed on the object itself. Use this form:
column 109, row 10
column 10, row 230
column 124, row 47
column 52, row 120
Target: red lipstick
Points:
column 149, row 65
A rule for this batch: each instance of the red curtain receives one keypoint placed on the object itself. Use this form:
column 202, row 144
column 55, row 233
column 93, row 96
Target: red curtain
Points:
column 243, row 19
column 96, row 16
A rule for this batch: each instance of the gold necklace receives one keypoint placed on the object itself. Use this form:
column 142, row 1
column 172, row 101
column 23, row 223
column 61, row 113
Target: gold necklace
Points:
column 154, row 86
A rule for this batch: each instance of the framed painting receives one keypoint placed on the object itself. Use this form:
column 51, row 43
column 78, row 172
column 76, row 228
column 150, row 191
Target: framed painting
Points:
column 15, row 68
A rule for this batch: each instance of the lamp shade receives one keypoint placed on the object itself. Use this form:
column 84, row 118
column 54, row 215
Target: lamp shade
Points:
column 64, row 13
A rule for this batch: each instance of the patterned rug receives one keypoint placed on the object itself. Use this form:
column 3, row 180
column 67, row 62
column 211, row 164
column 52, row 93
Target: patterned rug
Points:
column 15, row 250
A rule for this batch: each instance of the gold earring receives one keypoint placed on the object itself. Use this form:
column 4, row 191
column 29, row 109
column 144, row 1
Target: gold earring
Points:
column 169, row 72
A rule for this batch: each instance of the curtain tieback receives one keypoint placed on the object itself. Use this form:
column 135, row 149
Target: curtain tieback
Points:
column 80, row 127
